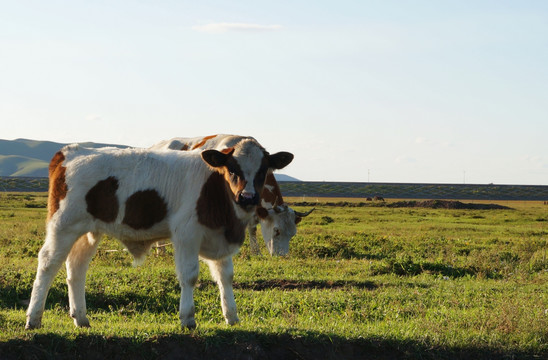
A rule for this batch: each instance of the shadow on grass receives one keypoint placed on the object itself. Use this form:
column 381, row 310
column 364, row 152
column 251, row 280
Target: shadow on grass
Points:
column 237, row 344
column 12, row 298
column 232, row 343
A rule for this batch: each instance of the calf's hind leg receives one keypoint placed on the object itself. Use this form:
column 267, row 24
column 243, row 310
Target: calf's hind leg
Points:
column 187, row 266
column 77, row 265
column 50, row 258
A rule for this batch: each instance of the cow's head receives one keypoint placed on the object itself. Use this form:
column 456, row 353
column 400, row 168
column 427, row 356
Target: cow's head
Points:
column 244, row 168
column 278, row 226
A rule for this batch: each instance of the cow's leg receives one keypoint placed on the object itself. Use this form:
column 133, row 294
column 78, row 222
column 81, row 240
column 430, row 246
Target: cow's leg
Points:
column 160, row 247
column 77, row 265
column 187, row 266
column 253, row 244
column 222, row 272
column 50, row 258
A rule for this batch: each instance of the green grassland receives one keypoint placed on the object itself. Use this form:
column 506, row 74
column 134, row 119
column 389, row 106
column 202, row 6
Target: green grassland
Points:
column 364, row 281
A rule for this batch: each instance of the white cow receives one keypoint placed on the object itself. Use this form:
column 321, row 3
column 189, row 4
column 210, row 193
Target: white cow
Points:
column 202, row 201
column 278, row 221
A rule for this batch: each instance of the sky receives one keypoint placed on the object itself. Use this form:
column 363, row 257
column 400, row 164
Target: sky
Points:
column 381, row 91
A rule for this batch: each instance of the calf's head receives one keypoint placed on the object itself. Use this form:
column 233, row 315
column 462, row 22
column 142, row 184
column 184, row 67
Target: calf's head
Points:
column 244, row 168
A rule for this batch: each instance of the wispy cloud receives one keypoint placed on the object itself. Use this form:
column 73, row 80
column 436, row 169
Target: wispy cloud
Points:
column 535, row 161
column 432, row 142
column 405, row 160
column 421, row 140
column 218, row 28
column 93, row 118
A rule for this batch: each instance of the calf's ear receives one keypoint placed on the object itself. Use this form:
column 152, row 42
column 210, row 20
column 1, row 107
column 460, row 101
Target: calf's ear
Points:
column 279, row 160
column 216, row 158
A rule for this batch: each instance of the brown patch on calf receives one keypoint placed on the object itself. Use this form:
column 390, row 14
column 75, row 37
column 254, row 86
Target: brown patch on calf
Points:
column 101, row 200
column 144, row 209
column 215, row 209
column 234, row 176
column 203, row 141
column 57, row 186
column 185, row 147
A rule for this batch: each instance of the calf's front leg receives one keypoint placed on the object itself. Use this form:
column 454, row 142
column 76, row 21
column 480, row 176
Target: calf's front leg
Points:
column 222, row 272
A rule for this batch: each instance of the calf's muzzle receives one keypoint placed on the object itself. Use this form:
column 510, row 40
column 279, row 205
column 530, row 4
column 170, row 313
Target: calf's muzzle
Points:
column 247, row 199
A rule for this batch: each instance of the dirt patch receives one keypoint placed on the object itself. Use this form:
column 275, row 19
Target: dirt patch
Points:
column 447, row 204
column 259, row 285
column 338, row 203
column 428, row 204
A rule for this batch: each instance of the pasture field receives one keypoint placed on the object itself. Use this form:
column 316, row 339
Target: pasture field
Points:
column 361, row 282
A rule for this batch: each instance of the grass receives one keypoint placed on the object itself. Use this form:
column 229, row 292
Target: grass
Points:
column 361, row 281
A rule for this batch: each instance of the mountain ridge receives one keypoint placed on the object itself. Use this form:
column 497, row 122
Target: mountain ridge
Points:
column 30, row 158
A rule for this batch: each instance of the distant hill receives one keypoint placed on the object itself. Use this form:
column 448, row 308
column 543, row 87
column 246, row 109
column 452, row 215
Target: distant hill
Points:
column 283, row 177
column 14, row 165
column 30, row 158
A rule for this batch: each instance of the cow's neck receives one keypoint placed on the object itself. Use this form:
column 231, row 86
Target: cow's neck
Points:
column 216, row 209
column 271, row 195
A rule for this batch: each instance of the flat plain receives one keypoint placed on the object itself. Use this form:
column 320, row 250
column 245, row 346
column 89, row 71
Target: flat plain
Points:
column 363, row 280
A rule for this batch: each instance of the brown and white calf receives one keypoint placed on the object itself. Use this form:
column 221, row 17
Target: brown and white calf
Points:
column 278, row 221
column 202, row 201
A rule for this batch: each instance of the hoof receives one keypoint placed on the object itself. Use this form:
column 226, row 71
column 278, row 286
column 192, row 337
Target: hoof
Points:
column 33, row 325
column 84, row 323
column 190, row 325
column 232, row 322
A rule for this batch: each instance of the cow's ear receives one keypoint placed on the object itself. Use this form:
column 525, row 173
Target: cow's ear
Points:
column 279, row 160
column 216, row 158
column 261, row 212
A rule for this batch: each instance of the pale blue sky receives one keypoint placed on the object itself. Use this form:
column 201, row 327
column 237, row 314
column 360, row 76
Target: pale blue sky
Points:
column 386, row 91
